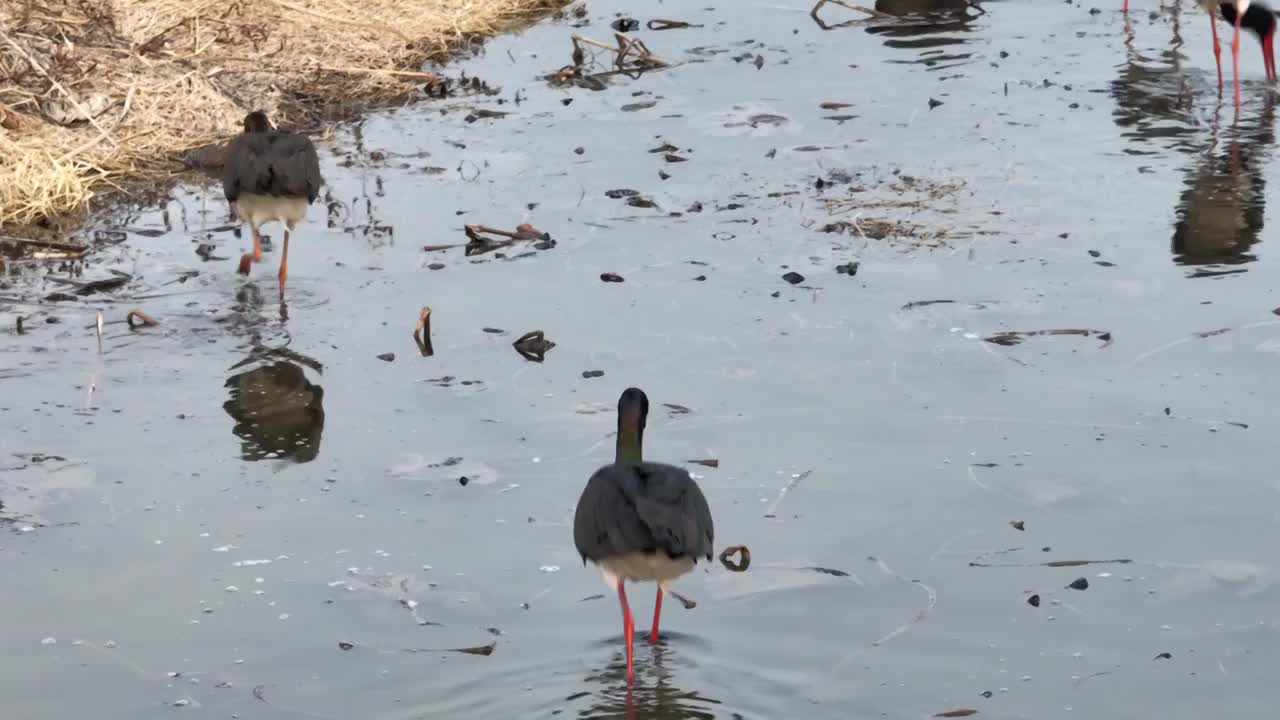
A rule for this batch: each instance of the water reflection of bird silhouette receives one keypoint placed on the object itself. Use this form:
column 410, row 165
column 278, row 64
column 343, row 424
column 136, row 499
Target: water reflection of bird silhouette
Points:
column 278, row 412
column 654, row 695
column 1155, row 98
column 925, row 25
column 1220, row 211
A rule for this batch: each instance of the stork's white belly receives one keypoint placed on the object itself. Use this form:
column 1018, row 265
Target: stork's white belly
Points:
column 258, row 210
column 643, row 567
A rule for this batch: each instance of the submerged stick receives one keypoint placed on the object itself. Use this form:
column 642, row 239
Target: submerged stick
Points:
column 851, row 6
column 143, row 318
column 422, row 333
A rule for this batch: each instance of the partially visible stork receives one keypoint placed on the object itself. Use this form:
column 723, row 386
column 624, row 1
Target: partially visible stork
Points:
column 641, row 521
column 270, row 175
column 1252, row 15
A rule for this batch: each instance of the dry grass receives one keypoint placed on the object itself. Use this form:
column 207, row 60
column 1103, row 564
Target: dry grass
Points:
column 95, row 91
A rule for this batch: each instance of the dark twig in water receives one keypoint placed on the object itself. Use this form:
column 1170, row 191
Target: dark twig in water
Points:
column 631, row 57
column 1053, row 563
column 744, row 561
column 686, row 602
column 1014, row 337
column 143, row 318
column 484, row 650
column 870, row 13
column 478, row 243
column 661, row 24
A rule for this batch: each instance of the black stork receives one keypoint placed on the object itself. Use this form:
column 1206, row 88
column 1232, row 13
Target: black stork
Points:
column 641, row 521
column 1252, row 15
column 270, row 175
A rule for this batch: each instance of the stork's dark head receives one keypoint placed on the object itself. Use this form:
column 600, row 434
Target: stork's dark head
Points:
column 633, row 408
column 256, row 121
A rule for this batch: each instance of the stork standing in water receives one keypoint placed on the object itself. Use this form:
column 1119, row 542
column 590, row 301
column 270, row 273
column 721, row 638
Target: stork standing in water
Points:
column 270, row 175
column 641, row 521
column 1252, row 15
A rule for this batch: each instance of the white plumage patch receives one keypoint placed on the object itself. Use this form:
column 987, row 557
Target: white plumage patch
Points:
column 643, row 567
column 258, row 210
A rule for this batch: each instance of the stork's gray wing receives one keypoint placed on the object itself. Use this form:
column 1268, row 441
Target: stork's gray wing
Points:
column 643, row 507
column 276, row 163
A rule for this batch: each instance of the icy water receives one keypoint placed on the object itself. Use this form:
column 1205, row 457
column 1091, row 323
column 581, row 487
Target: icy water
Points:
column 232, row 514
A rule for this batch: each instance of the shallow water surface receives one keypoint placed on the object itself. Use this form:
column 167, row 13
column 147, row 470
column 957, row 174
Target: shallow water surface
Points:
column 246, row 512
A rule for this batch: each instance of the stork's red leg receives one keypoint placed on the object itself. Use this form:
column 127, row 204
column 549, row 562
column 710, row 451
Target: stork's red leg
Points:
column 1217, row 49
column 1235, row 59
column 255, row 256
column 1269, row 54
column 657, row 610
column 284, row 262
column 628, row 628
column 1125, row 8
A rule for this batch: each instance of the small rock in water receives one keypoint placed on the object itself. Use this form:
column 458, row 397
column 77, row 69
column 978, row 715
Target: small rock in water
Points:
column 793, row 277
column 849, row 269
column 592, row 373
column 1034, row 601
column 1079, row 584
column 345, row 645
column 611, row 277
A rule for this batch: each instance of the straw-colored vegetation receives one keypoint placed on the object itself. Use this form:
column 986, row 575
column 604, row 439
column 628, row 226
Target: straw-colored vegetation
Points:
column 93, row 92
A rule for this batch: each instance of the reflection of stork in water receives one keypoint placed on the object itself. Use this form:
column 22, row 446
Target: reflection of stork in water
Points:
column 278, row 412
column 657, row 699
column 926, row 26
column 1219, row 214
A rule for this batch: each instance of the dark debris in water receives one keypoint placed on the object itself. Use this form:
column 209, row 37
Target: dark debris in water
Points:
column 1034, row 601
column 533, row 346
column 827, row 571
column 1052, row 563
column 1079, row 584
column 741, row 564
column 1015, row 337
column 711, row 462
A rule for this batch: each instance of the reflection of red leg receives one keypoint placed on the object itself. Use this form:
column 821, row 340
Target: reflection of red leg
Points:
column 1217, row 48
column 255, row 256
column 284, row 262
column 657, row 610
column 628, row 628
